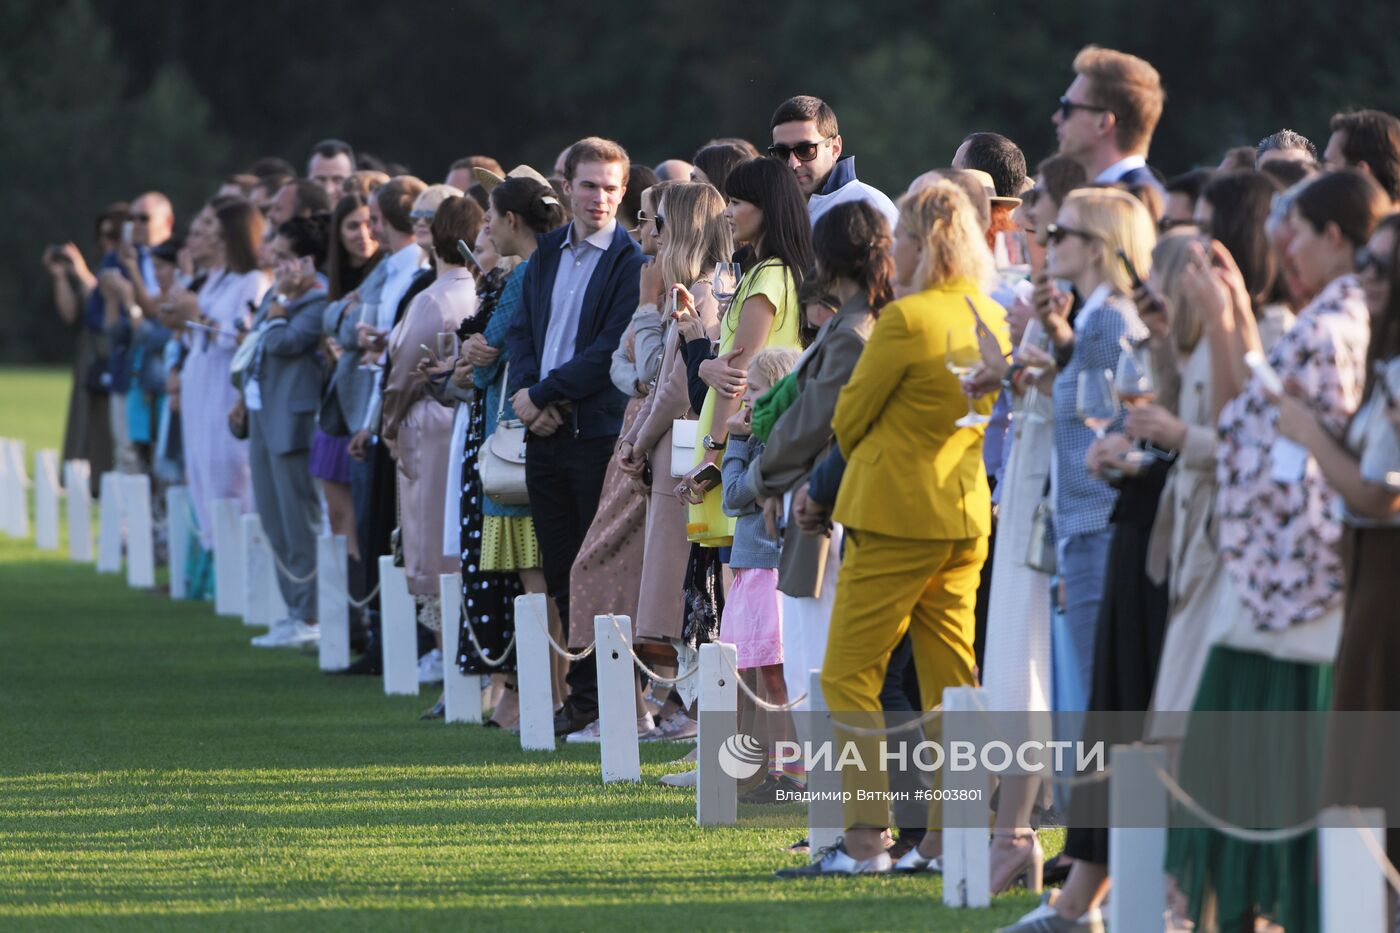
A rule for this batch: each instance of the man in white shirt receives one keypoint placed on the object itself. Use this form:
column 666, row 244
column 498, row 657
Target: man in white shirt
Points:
column 806, row 137
column 1106, row 118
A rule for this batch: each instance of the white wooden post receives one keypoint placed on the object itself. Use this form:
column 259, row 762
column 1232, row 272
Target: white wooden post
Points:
column 7, row 481
column 228, row 558
column 109, row 524
column 46, row 500
column 824, row 781
column 17, row 488
column 617, row 700
column 332, row 603
column 178, row 528
column 262, row 601
column 140, row 539
column 1353, row 884
column 77, row 475
column 966, row 860
column 716, row 792
column 532, row 665
column 399, row 631
column 461, row 692
column 1136, row 852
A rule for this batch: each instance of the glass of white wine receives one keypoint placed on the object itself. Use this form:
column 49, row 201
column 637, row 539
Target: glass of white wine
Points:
column 725, row 282
column 1134, row 385
column 1096, row 404
column 963, row 361
column 1034, row 337
column 446, row 346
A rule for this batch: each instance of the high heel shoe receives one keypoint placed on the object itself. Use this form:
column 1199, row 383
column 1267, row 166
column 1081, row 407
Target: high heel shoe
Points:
column 1015, row 862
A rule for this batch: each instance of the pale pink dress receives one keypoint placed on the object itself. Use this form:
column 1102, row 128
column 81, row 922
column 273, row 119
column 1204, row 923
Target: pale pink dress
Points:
column 216, row 463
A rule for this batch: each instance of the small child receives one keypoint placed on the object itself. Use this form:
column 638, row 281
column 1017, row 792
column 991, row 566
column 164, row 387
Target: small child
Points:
column 753, row 613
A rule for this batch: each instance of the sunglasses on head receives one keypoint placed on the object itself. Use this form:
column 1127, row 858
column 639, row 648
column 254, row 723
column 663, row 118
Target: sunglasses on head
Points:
column 1068, row 107
column 1054, row 233
column 1369, row 261
column 804, row 151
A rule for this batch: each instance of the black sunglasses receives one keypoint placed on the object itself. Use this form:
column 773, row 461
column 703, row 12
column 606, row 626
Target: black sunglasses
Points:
column 643, row 217
column 805, row 152
column 1367, row 260
column 1068, row 107
column 1054, row 233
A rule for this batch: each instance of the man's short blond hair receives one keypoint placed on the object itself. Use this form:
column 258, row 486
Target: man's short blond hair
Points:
column 1129, row 87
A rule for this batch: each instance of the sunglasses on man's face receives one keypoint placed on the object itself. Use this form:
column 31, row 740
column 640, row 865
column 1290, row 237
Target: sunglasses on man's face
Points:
column 804, row 151
column 140, row 218
column 1068, row 107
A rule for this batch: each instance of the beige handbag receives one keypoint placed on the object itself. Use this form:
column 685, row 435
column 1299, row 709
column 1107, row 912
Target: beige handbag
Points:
column 683, row 437
column 501, row 460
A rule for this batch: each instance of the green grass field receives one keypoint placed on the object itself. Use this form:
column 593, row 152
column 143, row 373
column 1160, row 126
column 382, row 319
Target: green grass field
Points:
column 156, row 772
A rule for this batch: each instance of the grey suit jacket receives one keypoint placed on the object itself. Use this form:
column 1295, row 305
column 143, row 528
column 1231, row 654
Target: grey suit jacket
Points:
column 353, row 385
column 289, row 372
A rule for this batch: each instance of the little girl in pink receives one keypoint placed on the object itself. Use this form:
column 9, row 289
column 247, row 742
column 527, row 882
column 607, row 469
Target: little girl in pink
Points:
column 753, row 609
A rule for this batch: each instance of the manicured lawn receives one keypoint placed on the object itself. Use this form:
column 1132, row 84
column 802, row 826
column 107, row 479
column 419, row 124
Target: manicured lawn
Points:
column 34, row 405
column 156, row 772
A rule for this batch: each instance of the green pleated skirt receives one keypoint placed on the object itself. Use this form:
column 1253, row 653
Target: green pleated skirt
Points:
column 1277, row 880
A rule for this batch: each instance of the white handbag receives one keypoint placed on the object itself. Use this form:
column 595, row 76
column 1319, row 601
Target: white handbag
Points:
column 683, row 434
column 501, row 460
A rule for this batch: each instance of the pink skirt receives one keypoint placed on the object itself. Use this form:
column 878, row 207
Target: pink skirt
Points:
column 753, row 618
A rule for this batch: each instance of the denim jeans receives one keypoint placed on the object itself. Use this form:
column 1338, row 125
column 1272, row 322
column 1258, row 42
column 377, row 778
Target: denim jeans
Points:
column 1083, row 560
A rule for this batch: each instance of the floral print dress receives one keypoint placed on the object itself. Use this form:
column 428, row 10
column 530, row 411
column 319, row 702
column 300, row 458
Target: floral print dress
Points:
column 1280, row 540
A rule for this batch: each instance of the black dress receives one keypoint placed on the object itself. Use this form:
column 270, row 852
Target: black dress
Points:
column 1128, row 640
column 488, row 598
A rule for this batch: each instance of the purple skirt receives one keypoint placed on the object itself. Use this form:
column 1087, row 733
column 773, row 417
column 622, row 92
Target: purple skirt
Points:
column 330, row 458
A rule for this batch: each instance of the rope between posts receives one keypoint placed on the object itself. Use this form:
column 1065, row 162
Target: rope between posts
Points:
column 481, row 652
column 1229, row 829
column 560, row 649
column 641, row 665
column 286, row 572
column 1374, row 848
column 758, row 700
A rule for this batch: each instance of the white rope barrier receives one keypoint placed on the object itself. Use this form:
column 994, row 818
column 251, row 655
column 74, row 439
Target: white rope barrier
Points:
column 1229, row 829
column 287, row 573
column 641, row 665
column 560, row 649
column 758, row 700
column 476, row 645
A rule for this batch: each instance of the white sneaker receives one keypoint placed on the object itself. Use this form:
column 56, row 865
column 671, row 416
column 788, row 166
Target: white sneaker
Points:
column 1046, row 910
column 680, row 779
column 430, row 667
column 288, row 633
column 912, row 862
column 592, row 732
column 836, row 861
column 677, row 727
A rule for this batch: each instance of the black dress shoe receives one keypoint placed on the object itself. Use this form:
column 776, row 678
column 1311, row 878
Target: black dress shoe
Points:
column 569, row 719
column 1056, row 870
column 370, row 664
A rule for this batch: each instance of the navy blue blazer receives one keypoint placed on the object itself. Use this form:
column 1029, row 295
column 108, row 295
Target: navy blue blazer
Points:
column 608, row 303
column 1142, row 175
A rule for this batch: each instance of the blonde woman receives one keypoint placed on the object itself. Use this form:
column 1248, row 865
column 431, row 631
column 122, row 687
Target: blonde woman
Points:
column 694, row 236
column 914, row 499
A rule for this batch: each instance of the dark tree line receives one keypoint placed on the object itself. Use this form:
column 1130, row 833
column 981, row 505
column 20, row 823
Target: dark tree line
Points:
column 101, row 99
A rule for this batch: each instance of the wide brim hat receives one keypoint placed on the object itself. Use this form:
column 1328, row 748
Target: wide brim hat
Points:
column 489, row 179
column 991, row 186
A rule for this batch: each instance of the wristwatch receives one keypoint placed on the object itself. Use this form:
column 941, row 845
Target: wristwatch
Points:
column 709, row 443
column 1008, row 382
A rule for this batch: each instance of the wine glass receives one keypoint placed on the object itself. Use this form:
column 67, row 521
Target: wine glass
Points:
column 1035, row 336
column 725, row 281
column 963, row 361
column 446, row 346
column 1096, row 403
column 1133, row 383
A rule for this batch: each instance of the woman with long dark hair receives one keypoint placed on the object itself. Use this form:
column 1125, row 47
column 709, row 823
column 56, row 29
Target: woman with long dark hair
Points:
column 768, row 214
column 353, row 252
column 216, row 463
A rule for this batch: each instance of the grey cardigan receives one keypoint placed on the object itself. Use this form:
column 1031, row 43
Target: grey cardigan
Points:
column 753, row 548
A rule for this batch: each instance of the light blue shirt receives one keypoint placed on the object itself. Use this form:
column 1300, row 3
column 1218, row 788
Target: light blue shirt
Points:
column 576, row 267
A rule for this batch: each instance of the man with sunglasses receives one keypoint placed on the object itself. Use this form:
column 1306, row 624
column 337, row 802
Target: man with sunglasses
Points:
column 806, row 138
column 1106, row 118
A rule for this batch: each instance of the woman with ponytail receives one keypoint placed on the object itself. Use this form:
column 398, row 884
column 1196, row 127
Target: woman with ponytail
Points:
column 498, row 540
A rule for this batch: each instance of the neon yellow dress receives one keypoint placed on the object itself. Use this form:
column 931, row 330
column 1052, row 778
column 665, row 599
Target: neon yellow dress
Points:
column 707, row 524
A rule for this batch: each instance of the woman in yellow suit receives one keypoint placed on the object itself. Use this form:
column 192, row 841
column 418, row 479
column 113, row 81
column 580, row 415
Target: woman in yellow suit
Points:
column 914, row 498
